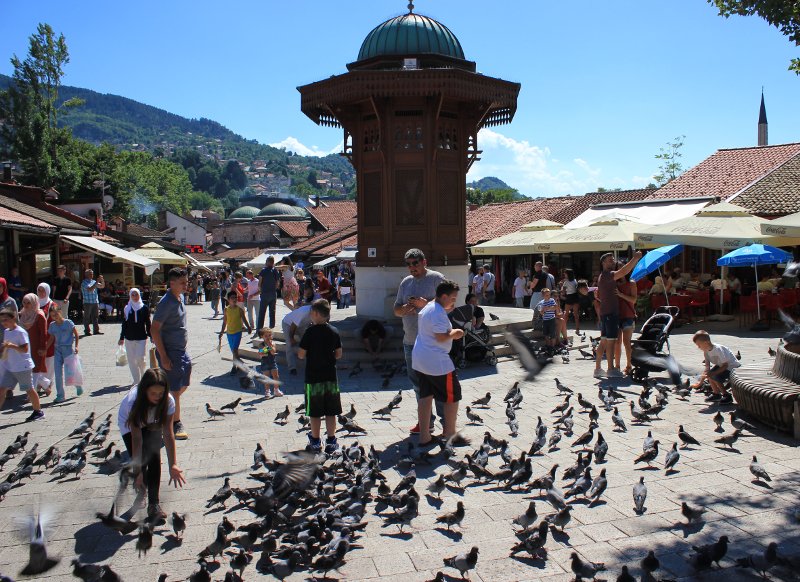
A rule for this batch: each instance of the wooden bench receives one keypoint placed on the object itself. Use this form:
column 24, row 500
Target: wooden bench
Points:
column 771, row 394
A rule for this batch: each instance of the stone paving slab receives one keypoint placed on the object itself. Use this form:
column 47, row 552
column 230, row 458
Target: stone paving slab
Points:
column 751, row 514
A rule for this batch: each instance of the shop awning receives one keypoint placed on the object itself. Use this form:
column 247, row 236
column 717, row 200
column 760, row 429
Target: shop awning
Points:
column 347, row 255
column 261, row 260
column 207, row 265
column 158, row 253
column 324, row 263
column 108, row 251
column 650, row 212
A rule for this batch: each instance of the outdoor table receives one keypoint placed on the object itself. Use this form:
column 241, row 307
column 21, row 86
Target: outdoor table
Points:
column 681, row 301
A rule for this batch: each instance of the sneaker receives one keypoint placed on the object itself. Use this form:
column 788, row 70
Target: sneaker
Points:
column 714, row 398
column 155, row 513
column 180, row 432
column 87, row 332
column 727, row 399
column 35, row 415
column 59, row 400
column 615, row 373
column 331, row 445
column 79, row 391
column 314, row 445
column 414, row 429
column 277, row 392
column 599, row 373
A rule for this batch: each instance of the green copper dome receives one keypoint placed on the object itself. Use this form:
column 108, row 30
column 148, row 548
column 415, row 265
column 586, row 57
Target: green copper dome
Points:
column 282, row 210
column 244, row 212
column 410, row 34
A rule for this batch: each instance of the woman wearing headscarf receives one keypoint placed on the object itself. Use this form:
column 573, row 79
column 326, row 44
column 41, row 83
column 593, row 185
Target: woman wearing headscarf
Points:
column 134, row 334
column 6, row 302
column 33, row 320
column 47, row 380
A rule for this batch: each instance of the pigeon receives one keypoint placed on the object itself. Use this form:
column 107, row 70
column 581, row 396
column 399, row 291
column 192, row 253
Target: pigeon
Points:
column 555, row 438
column 600, row 449
column 625, row 575
column 240, row 561
column 718, row 420
column 581, row 485
column 103, row 454
column 758, row 470
column 528, row 518
column 585, row 404
column 638, row 415
column 437, row 486
column 463, row 562
column 350, row 426
column 202, row 574
column 739, row 423
column 738, row 355
column 672, row 458
column 251, row 376
column 405, row 514
column 145, row 539
column 585, row 355
column 385, row 411
column 214, row 413
column 533, row 543
column 598, row 487
column 178, row 524
column 87, row 572
column 648, row 456
column 650, row 563
column 222, row 494
column 585, row 438
column 352, row 414
column 561, row 388
column 396, row 400
column 493, row 317
column 38, row 560
column 686, row 438
column 760, row 563
column 561, row 518
column 483, row 401
column 282, row 417
column 231, row 405
column 71, row 466
column 705, row 555
column 303, row 421
column 583, row 569
column 619, row 422
column 555, row 497
column 5, row 487
column 259, row 457
column 648, row 441
column 520, row 344
column 84, row 426
column 729, row 439
column 453, row 518
column 639, row 496
column 561, row 408
column 691, row 514
column 218, row 546
column 472, row 417
column 115, row 522
column 771, row 352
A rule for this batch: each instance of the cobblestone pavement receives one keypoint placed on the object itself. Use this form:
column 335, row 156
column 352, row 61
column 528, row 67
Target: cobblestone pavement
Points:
column 751, row 515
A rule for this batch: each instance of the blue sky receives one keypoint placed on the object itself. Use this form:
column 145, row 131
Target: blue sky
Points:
column 604, row 84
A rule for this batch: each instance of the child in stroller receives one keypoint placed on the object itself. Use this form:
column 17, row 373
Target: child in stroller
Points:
column 648, row 350
column 474, row 346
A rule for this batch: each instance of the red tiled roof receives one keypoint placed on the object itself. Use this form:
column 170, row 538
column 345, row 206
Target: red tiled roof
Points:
column 493, row 220
column 333, row 249
column 294, row 228
column 775, row 194
column 583, row 203
column 333, row 214
column 203, row 257
column 146, row 232
column 726, row 172
column 13, row 217
column 328, row 238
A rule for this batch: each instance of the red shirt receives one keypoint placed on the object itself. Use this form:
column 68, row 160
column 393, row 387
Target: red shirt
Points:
column 606, row 287
column 324, row 288
column 626, row 309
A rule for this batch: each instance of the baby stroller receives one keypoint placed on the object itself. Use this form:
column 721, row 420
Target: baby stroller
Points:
column 474, row 346
column 648, row 350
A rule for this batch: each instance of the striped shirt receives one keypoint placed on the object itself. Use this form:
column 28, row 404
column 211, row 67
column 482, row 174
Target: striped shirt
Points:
column 546, row 315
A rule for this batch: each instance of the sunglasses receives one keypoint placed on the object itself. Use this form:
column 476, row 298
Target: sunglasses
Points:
column 412, row 263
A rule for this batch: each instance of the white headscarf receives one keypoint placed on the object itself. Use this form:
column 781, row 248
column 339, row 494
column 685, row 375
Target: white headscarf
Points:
column 133, row 305
column 46, row 300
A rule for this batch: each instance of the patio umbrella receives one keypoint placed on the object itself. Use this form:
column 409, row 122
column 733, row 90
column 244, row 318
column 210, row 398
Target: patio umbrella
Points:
column 653, row 260
column 788, row 225
column 520, row 242
column 158, row 253
column 755, row 254
column 607, row 234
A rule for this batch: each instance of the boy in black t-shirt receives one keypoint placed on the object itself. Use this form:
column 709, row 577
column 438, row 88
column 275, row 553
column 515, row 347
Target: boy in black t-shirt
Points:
column 321, row 346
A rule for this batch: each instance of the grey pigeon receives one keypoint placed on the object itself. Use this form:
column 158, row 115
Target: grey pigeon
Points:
column 600, row 449
column 648, row 456
column 599, row 486
column 582, row 484
column 213, row 412
column 650, row 563
column 259, row 457
column 639, row 495
column 454, row 518
column 686, row 438
column 483, row 401
column 561, row 518
column 527, row 518
column 533, row 543
column 113, row 521
column 691, row 514
column 38, row 561
column 740, row 423
column 705, row 555
column 672, row 458
column 463, row 562
column 583, row 569
column 145, row 540
column 625, row 575
column 719, row 420
column 648, row 441
column 178, row 524
column 619, row 422
column 758, row 470
column 729, row 439
column 761, row 563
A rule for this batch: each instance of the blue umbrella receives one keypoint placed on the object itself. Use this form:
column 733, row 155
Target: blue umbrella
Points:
column 754, row 255
column 654, row 259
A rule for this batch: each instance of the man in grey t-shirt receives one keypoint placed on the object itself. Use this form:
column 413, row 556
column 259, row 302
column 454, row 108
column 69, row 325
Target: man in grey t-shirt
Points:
column 415, row 291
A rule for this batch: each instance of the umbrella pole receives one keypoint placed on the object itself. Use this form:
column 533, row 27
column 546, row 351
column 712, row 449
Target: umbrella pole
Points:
column 758, row 298
column 663, row 284
column 722, row 278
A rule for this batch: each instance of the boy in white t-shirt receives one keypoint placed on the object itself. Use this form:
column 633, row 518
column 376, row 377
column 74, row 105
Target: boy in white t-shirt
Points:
column 719, row 363
column 431, row 360
column 17, row 364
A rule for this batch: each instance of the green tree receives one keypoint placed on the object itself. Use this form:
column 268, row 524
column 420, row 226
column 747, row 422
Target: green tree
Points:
column 782, row 14
column 492, row 195
column 29, row 108
column 669, row 157
column 312, row 179
column 205, row 201
column 234, row 175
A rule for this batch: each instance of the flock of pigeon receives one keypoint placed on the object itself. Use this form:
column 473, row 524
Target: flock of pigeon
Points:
column 306, row 512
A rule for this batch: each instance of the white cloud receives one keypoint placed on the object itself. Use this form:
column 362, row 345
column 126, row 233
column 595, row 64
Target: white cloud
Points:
column 293, row 144
column 531, row 169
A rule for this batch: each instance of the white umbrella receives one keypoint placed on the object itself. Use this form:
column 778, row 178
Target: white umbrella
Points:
column 610, row 234
column 788, row 225
column 521, row 242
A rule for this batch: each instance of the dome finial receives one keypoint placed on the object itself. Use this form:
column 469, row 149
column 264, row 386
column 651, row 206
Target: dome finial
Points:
column 411, row 6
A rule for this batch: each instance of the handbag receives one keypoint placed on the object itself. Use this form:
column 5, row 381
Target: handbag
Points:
column 122, row 356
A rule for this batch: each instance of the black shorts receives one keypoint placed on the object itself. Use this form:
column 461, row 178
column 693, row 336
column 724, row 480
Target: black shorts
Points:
column 549, row 328
column 715, row 374
column 444, row 388
column 322, row 399
column 572, row 299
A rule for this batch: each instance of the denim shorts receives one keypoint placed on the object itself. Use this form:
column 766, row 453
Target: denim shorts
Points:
column 609, row 326
column 627, row 323
column 10, row 379
column 723, row 376
column 549, row 328
column 181, row 373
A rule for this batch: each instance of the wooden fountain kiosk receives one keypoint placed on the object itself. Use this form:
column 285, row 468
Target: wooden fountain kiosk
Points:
column 410, row 108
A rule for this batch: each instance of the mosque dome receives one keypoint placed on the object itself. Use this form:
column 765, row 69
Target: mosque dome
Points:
column 282, row 211
column 244, row 212
column 410, row 34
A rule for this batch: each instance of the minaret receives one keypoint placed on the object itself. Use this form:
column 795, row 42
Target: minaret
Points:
column 762, row 123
